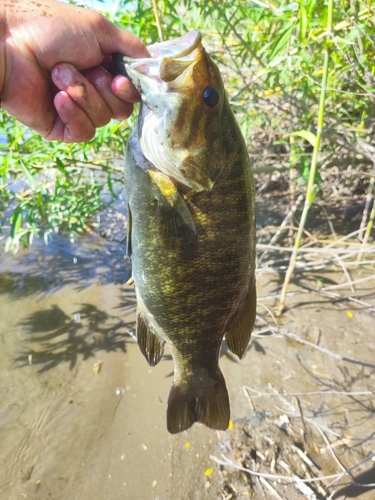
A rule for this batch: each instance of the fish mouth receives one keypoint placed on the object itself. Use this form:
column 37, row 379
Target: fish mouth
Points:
column 168, row 61
column 178, row 47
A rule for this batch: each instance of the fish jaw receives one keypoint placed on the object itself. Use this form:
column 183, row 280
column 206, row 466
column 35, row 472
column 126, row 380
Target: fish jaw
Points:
column 167, row 63
column 178, row 133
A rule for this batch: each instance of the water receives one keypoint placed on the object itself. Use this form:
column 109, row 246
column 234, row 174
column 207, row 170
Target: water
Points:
column 82, row 415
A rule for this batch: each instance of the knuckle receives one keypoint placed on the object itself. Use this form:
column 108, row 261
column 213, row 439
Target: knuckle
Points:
column 123, row 112
column 103, row 117
column 80, row 134
column 139, row 47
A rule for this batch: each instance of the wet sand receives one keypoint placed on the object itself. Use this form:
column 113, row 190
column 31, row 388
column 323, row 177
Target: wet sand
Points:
column 82, row 415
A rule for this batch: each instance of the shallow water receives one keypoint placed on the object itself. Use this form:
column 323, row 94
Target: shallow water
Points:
column 82, row 415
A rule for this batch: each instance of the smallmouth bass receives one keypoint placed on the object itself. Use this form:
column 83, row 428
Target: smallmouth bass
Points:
column 191, row 232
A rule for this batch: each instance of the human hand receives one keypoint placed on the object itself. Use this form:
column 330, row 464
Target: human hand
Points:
column 55, row 68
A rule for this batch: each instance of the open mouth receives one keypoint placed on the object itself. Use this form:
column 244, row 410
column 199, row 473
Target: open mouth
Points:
column 167, row 62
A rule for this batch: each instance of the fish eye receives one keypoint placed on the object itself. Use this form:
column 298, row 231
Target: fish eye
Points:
column 211, row 97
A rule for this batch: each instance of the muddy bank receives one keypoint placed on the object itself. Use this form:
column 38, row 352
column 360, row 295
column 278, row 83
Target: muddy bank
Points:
column 82, row 416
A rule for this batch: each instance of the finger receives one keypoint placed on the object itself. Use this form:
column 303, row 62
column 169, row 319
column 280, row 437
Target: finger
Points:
column 108, row 65
column 113, row 39
column 121, row 85
column 124, row 89
column 120, row 106
column 72, row 123
column 67, row 78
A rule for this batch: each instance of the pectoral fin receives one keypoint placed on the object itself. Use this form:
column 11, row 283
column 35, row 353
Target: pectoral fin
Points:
column 150, row 345
column 176, row 224
column 238, row 334
column 129, row 233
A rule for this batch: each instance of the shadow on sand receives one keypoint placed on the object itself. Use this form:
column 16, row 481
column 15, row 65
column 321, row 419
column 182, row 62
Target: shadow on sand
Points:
column 359, row 487
column 55, row 337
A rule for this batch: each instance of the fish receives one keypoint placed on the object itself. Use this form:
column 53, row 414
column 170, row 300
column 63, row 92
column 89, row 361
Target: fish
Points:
column 191, row 225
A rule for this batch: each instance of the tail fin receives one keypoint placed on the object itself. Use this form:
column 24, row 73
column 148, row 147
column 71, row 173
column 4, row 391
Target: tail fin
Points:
column 208, row 405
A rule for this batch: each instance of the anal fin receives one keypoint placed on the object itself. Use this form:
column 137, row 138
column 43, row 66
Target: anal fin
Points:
column 190, row 403
column 238, row 334
column 150, row 345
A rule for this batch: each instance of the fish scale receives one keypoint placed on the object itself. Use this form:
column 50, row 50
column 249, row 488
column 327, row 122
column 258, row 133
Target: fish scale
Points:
column 192, row 236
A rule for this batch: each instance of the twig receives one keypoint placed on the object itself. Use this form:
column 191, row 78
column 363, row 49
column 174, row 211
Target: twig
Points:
column 313, row 393
column 270, row 488
column 302, row 487
column 363, row 262
column 345, row 271
column 293, row 414
column 302, row 420
column 157, row 20
column 311, row 186
column 248, row 398
column 343, row 238
column 333, row 453
column 325, row 250
column 303, row 456
column 289, row 216
column 293, row 478
column 325, row 351
column 333, row 295
column 329, row 222
column 350, row 469
column 226, row 462
column 369, row 198
column 344, row 285
column 290, row 335
column 369, row 226
column 270, row 313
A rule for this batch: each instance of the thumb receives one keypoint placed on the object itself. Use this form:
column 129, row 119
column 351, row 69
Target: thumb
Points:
column 114, row 39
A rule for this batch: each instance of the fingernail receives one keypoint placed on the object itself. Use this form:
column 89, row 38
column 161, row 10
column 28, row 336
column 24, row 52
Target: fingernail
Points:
column 63, row 74
column 124, row 89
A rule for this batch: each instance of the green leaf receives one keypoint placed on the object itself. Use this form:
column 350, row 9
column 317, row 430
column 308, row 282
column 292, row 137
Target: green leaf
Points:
column 305, row 134
column 61, row 167
column 110, row 186
column 290, row 7
column 302, row 23
column 28, row 175
column 281, row 42
column 310, row 7
column 16, row 222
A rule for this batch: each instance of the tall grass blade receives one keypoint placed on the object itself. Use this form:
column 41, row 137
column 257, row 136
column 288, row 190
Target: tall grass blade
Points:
column 311, row 187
